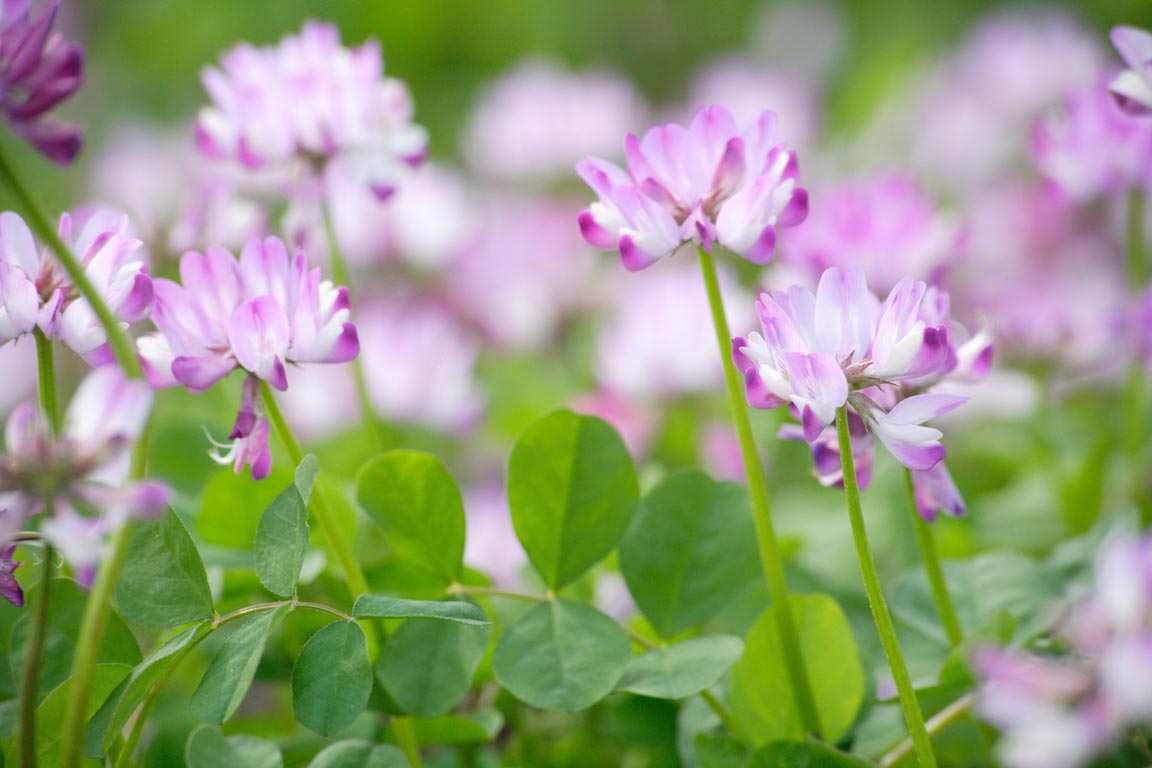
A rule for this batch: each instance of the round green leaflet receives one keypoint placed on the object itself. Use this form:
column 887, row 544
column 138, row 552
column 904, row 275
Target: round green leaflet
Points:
column 561, row 655
column 571, row 490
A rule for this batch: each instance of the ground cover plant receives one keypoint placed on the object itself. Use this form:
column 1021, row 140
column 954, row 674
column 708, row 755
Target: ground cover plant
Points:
column 632, row 431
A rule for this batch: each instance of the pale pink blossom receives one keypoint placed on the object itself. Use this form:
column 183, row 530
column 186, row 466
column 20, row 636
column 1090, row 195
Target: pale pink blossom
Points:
column 1132, row 88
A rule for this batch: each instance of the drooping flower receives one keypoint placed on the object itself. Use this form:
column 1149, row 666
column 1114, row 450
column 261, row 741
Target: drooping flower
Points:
column 1063, row 711
column 260, row 313
column 1132, row 88
column 842, row 346
column 9, row 587
column 884, row 225
column 38, row 70
column 539, row 119
column 79, row 477
column 310, row 99
column 36, row 292
column 703, row 183
column 1092, row 148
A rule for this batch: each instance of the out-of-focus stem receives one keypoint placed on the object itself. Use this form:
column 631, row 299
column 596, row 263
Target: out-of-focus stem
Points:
column 341, row 277
column 884, row 625
column 1136, row 247
column 406, row 739
column 46, row 379
column 938, row 723
column 768, row 546
column 930, row 555
column 44, row 229
column 30, row 677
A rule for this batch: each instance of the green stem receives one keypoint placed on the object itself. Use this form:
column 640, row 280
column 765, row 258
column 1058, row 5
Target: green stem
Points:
column 406, row 739
column 884, row 626
column 95, row 621
column 341, row 277
column 758, row 492
column 30, row 677
column 121, row 347
column 1137, row 250
column 944, row 718
column 721, row 711
column 46, row 379
column 930, row 555
column 357, row 584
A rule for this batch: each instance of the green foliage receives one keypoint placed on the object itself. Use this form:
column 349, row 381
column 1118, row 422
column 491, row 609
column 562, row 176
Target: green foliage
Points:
column 208, row 747
column 384, row 607
column 355, row 753
column 50, row 713
column 230, row 674
column 228, row 514
column 812, row 754
column 282, row 536
column 163, row 583
column 561, row 655
column 427, row 665
column 413, row 497
column 683, row 669
column 571, row 489
column 105, row 725
column 62, row 633
column 760, row 699
column 332, row 679
column 690, row 550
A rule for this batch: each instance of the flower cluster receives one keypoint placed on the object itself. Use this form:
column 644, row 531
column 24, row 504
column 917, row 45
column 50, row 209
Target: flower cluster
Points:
column 259, row 313
column 310, row 98
column 842, row 346
column 1059, row 712
column 885, row 225
column 78, row 478
column 38, row 70
column 35, row 292
column 703, row 183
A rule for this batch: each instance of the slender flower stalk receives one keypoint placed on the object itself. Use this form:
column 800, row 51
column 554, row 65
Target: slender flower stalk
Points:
column 357, row 584
column 884, row 625
column 95, row 621
column 758, row 491
column 30, row 679
column 930, row 555
column 1137, row 249
column 121, row 346
column 406, row 738
column 46, row 368
column 340, row 276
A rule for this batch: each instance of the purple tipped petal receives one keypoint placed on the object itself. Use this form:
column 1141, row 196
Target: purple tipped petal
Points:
column 796, row 211
column 10, row 588
column 200, row 373
column 632, row 257
column 764, row 249
column 594, row 234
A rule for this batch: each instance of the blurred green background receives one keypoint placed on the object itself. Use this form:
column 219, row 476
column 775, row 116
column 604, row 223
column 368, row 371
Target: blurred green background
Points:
column 145, row 55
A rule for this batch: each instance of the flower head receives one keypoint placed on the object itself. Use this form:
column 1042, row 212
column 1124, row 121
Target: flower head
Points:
column 38, row 70
column 310, row 98
column 1093, row 149
column 79, row 476
column 1132, row 88
column 842, row 346
column 886, row 226
column 260, row 313
column 35, row 292
column 705, row 182
column 10, row 588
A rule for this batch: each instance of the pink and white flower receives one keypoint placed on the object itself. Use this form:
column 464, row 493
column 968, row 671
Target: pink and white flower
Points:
column 36, row 292
column 260, row 314
column 539, row 119
column 884, row 225
column 80, row 475
column 703, row 183
column 310, row 99
column 38, row 70
column 1132, row 88
column 841, row 345
column 1093, row 148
